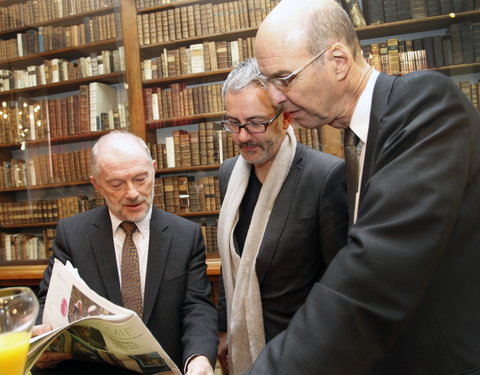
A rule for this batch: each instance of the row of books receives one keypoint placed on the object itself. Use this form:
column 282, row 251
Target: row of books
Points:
column 209, row 145
column 62, row 70
column 180, row 101
column 209, row 233
column 47, row 38
column 395, row 56
column 141, row 4
column 95, row 108
column 380, row 11
column 31, row 12
column 42, row 211
column 198, row 58
column 181, row 194
column 26, row 246
column 46, row 169
column 201, row 19
column 472, row 91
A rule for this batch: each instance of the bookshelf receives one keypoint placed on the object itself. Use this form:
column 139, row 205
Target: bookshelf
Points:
column 55, row 59
column 221, row 51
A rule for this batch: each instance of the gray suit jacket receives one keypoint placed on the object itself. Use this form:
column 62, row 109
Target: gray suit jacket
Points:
column 307, row 227
column 177, row 306
column 403, row 297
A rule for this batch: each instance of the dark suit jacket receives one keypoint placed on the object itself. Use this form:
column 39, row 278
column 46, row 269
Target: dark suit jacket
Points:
column 403, row 297
column 307, row 227
column 177, row 306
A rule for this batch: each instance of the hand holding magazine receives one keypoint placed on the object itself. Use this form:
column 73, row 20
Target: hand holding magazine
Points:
column 92, row 328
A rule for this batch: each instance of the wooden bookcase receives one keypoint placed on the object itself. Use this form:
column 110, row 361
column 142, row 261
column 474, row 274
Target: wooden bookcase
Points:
column 128, row 17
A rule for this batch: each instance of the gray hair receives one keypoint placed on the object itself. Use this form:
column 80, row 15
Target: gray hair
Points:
column 327, row 24
column 116, row 134
column 241, row 76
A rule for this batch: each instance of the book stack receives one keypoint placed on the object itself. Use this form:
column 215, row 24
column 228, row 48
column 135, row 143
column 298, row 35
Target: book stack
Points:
column 30, row 120
column 196, row 20
column 308, row 137
column 31, row 12
column 62, row 70
column 181, row 194
column 41, row 211
column 209, row 233
column 380, row 11
column 48, row 38
column 181, row 101
column 22, row 246
column 472, row 91
column 46, row 169
column 198, row 58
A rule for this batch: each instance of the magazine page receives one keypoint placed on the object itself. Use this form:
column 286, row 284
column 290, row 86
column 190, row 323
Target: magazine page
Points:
column 92, row 328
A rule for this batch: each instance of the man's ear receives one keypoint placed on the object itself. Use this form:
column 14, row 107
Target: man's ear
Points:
column 343, row 59
column 94, row 183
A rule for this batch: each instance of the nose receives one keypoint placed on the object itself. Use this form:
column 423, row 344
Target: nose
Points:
column 276, row 96
column 132, row 191
column 243, row 136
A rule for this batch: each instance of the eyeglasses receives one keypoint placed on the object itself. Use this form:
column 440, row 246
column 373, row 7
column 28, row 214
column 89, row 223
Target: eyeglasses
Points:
column 251, row 127
column 283, row 83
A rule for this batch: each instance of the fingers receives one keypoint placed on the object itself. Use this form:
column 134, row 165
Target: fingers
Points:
column 51, row 359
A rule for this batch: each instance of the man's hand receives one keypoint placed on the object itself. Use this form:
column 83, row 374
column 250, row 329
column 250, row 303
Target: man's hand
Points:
column 48, row 359
column 222, row 351
column 199, row 365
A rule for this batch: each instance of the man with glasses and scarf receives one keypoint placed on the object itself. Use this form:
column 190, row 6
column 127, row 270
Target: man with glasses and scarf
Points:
column 283, row 218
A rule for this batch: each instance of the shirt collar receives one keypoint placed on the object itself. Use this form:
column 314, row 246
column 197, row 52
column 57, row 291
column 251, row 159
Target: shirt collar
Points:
column 361, row 115
column 143, row 225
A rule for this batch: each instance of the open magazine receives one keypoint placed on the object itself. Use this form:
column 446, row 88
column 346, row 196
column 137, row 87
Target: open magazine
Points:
column 92, row 328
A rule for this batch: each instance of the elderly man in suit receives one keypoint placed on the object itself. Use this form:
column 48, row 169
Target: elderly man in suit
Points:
column 283, row 218
column 403, row 297
column 170, row 291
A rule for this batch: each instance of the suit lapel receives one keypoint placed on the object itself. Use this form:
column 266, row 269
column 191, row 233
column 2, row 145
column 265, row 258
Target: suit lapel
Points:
column 381, row 93
column 278, row 216
column 101, row 239
column 159, row 248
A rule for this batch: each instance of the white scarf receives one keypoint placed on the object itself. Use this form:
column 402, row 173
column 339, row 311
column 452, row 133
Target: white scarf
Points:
column 246, row 333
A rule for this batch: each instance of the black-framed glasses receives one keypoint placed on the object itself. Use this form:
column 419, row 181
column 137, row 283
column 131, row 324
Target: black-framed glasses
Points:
column 251, row 127
column 283, row 83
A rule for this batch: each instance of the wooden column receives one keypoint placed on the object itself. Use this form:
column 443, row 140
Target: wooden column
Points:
column 128, row 15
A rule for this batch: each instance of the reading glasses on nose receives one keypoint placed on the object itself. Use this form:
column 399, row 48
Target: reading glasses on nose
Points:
column 251, row 127
column 283, row 83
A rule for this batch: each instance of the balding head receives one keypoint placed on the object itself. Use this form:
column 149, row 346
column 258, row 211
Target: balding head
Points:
column 317, row 23
column 118, row 142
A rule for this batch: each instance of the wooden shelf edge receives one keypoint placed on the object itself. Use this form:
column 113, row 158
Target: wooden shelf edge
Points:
column 188, row 169
column 187, row 77
column 199, row 213
column 48, row 186
column 145, row 50
column 185, row 120
column 30, row 274
column 33, row 273
column 64, row 85
column 414, row 25
column 30, row 59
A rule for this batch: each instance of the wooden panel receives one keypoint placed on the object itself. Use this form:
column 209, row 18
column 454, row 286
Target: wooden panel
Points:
column 133, row 69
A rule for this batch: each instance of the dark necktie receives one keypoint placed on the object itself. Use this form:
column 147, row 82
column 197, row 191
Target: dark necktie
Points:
column 350, row 143
column 130, row 271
